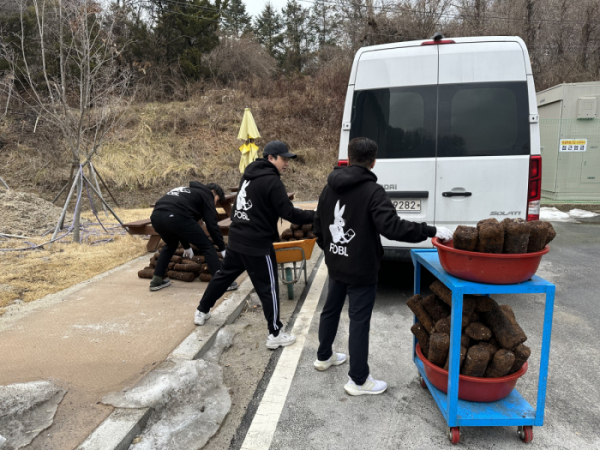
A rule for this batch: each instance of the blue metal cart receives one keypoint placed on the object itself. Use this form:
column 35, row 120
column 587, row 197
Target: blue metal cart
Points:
column 512, row 410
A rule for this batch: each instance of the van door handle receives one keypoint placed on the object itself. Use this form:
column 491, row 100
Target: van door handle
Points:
column 456, row 194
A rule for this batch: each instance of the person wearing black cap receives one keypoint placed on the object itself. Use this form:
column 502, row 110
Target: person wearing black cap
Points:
column 175, row 218
column 261, row 201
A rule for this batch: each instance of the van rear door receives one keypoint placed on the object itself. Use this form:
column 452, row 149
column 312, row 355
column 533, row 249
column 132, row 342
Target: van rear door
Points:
column 394, row 103
column 484, row 144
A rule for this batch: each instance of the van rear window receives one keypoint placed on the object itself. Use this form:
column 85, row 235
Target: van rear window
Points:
column 478, row 119
column 400, row 120
column 483, row 119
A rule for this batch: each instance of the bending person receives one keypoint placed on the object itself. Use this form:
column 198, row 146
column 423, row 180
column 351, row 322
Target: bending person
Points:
column 175, row 218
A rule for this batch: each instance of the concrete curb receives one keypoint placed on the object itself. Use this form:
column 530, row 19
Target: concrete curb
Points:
column 118, row 430
column 124, row 424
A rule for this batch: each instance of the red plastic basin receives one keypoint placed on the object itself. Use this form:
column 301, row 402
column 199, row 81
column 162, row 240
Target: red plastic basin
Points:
column 472, row 389
column 490, row 268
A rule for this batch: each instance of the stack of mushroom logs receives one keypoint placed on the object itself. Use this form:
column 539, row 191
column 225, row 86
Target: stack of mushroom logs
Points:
column 298, row 233
column 491, row 343
column 508, row 236
column 180, row 268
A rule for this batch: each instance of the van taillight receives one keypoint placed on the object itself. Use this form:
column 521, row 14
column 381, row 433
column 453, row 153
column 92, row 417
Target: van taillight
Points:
column 534, row 191
column 342, row 163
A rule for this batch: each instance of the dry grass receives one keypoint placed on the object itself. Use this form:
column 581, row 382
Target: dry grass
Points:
column 36, row 273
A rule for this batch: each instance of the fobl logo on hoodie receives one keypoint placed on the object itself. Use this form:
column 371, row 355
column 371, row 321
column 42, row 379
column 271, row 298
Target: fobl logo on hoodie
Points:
column 338, row 235
column 241, row 204
column 178, row 190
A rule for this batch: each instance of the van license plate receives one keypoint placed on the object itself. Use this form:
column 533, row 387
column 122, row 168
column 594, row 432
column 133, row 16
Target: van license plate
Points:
column 407, row 205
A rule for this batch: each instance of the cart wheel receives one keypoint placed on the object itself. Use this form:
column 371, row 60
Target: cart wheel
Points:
column 525, row 433
column 454, row 435
column 423, row 384
column 290, row 287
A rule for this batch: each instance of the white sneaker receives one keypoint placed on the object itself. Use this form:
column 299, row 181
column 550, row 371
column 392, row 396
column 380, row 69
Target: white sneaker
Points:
column 334, row 360
column 282, row 340
column 371, row 386
column 200, row 317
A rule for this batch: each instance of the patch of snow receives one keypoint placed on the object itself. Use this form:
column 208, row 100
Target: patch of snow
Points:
column 26, row 409
column 188, row 398
column 581, row 214
column 553, row 215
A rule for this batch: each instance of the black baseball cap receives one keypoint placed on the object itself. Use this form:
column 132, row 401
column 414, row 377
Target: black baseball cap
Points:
column 277, row 148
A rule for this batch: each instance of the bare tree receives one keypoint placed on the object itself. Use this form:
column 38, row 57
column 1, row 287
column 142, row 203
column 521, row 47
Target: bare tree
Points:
column 78, row 86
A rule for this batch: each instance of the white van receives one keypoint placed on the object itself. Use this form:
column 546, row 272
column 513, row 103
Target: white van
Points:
column 457, row 127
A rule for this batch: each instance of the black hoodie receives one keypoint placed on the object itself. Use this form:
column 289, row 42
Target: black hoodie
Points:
column 353, row 211
column 196, row 202
column 261, row 200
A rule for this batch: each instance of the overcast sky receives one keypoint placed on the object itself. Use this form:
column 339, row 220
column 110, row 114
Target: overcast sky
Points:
column 255, row 7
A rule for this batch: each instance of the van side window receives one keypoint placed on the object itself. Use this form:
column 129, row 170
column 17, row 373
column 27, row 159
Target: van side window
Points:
column 483, row 119
column 400, row 120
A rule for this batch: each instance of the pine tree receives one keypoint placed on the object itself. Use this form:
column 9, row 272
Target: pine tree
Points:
column 267, row 29
column 324, row 24
column 236, row 21
column 298, row 38
column 187, row 29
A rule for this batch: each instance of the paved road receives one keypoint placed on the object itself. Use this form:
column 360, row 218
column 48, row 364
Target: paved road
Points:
column 318, row 414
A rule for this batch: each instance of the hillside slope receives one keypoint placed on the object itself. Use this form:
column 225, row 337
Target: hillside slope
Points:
column 162, row 145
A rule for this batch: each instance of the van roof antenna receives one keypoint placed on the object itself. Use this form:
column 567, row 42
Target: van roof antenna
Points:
column 438, row 36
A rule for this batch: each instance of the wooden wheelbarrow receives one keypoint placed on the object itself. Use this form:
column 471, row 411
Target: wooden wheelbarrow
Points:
column 293, row 252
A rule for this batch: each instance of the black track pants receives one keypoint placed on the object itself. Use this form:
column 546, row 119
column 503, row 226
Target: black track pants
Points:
column 361, row 300
column 262, row 271
column 174, row 228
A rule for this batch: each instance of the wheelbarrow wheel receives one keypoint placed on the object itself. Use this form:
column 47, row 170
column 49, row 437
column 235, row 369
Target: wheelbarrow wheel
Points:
column 525, row 433
column 454, row 435
column 290, row 286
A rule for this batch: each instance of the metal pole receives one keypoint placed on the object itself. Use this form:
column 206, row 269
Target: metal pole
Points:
column 4, row 183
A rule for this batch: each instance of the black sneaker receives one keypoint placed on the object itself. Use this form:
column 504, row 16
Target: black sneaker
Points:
column 233, row 286
column 159, row 283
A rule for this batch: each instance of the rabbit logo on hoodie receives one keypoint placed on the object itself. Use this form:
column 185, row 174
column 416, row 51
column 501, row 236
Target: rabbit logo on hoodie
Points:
column 338, row 235
column 242, row 204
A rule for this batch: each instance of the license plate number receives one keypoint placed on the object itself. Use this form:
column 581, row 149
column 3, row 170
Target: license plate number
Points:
column 407, row 205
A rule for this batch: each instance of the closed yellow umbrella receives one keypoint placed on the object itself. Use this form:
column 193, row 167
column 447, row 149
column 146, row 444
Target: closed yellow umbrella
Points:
column 248, row 132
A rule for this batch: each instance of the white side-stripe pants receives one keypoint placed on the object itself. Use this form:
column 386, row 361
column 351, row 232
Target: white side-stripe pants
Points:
column 262, row 271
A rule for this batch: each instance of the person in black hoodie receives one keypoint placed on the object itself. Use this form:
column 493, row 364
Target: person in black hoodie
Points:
column 261, row 201
column 175, row 218
column 352, row 213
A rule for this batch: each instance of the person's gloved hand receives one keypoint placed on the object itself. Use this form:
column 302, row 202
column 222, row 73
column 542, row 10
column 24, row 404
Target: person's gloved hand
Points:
column 188, row 253
column 444, row 234
column 223, row 253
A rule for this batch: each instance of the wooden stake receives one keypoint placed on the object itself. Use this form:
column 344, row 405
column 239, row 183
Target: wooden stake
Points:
column 102, row 200
column 64, row 210
column 106, row 187
column 93, row 176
